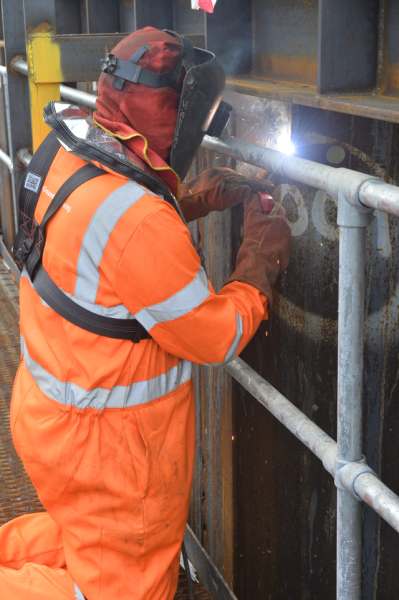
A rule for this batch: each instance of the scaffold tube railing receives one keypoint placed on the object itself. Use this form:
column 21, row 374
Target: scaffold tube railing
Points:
column 361, row 481
column 357, row 196
column 359, row 189
column 4, row 157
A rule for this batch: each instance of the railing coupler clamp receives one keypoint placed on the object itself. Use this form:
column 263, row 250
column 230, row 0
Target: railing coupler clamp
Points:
column 346, row 474
column 18, row 64
column 344, row 183
column 351, row 215
column 24, row 156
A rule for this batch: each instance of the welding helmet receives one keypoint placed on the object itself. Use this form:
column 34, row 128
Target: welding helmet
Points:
column 199, row 81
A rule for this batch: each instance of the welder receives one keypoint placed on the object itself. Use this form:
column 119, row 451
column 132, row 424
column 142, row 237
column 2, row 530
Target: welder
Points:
column 115, row 307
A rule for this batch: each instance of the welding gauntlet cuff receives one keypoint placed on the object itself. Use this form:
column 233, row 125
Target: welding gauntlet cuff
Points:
column 265, row 251
column 217, row 189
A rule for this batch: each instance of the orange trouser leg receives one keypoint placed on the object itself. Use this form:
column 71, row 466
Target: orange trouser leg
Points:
column 31, row 539
column 117, row 481
column 32, row 560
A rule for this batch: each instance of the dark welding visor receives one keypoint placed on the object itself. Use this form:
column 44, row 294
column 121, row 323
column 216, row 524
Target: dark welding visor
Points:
column 200, row 111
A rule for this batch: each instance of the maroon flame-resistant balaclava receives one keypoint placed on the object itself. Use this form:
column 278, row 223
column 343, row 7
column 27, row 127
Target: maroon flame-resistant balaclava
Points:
column 138, row 108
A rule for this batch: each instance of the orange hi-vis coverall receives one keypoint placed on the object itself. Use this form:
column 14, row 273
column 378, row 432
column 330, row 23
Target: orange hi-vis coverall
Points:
column 105, row 427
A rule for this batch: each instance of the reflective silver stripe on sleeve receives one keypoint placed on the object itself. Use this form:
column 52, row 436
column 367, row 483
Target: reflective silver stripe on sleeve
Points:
column 77, row 593
column 178, row 305
column 97, row 235
column 141, row 392
column 231, row 354
column 113, row 312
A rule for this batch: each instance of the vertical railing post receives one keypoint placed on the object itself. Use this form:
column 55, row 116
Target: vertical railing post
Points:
column 9, row 144
column 7, row 205
column 352, row 249
column 17, row 93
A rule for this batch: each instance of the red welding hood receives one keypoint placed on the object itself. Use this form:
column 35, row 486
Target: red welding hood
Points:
column 155, row 84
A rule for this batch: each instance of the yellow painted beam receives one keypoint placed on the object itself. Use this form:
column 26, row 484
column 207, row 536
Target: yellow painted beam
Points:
column 40, row 95
column 44, row 58
column 45, row 75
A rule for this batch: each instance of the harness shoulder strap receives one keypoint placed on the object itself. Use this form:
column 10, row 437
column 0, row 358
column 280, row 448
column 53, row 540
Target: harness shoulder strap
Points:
column 85, row 173
column 31, row 188
column 30, row 241
column 36, row 173
column 127, row 329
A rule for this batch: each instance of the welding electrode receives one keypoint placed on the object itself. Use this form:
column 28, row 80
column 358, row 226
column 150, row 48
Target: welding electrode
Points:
column 266, row 202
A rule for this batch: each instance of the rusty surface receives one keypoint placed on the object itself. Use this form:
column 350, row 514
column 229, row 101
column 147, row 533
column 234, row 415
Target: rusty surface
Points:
column 285, row 57
column 284, row 502
column 200, row 592
column 285, row 40
column 285, row 498
column 347, row 45
column 381, row 107
column 214, row 448
column 93, row 47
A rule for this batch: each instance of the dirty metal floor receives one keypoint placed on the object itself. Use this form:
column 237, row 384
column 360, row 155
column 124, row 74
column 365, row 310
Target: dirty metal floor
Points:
column 17, row 494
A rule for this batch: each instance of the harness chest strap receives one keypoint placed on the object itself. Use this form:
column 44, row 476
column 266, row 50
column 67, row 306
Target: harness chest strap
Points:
column 30, row 241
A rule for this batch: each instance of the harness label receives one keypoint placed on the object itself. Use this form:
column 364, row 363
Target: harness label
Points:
column 32, row 182
column 47, row 191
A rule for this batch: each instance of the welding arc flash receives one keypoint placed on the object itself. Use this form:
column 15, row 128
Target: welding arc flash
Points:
column 285, row 145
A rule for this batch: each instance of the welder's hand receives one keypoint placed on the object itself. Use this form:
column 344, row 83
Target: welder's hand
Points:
column 265, row 251
column 217, row 189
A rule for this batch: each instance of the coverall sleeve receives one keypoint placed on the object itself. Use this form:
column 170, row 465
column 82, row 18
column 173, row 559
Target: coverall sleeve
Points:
column 160, row 280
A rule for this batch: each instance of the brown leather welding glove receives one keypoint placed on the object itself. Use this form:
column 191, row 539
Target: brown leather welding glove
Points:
column 265, row 251
column 217, row 189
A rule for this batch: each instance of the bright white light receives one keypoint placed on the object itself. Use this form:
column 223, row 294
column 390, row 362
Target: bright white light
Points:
column 285, row 145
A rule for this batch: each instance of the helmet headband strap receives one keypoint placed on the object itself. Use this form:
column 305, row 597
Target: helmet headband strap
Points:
column 118, row 81
column 129, row 71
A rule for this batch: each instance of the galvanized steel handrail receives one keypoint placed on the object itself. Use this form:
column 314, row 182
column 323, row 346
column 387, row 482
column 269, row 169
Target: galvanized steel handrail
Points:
column 67, row 93
column 364, row 190
column 364, row 483
column 6, row 160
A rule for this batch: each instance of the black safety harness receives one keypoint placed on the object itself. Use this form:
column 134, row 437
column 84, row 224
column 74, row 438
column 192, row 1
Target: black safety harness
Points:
column 30, row 241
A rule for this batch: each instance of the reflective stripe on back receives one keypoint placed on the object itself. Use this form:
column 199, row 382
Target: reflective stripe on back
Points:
column 97, row 235
column 77, row 593
column 141, row 392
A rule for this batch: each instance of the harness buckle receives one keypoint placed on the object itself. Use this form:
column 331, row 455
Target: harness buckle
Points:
column 23, row 250
column 109, row 63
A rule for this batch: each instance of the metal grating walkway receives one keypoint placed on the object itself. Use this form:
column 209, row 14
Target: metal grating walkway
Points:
column 200, row 592
column 17, row 494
